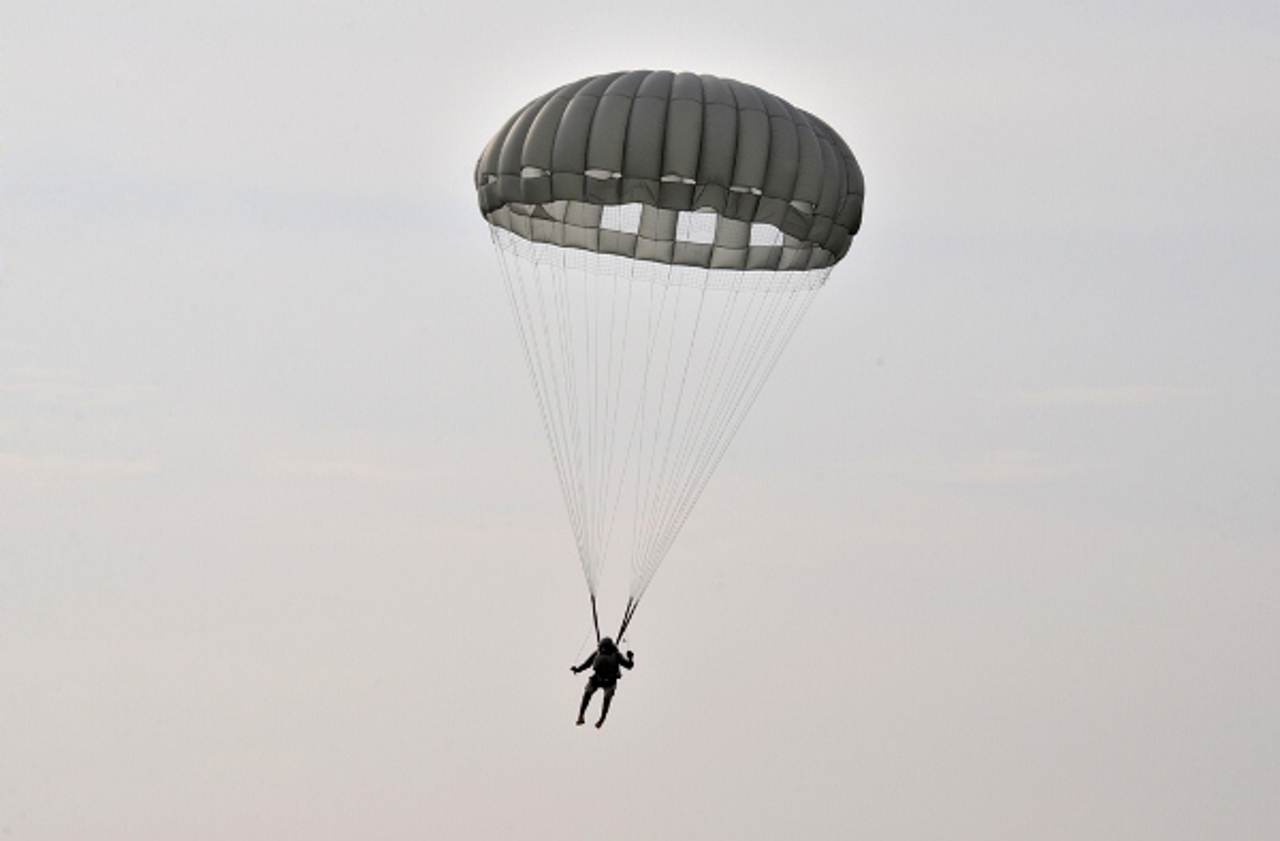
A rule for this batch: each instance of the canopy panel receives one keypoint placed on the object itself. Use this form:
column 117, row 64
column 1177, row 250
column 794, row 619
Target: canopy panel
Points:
column 715, row 173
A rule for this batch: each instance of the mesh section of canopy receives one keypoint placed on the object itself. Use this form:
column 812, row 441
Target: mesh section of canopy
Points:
column 782, row 188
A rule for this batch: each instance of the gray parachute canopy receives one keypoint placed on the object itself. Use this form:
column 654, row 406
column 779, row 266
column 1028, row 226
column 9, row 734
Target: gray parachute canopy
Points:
column 784, row 188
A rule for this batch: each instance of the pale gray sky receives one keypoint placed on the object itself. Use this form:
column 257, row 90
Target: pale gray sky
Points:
column 281, row 550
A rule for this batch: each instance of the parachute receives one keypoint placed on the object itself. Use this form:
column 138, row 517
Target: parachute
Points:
column 661, row 235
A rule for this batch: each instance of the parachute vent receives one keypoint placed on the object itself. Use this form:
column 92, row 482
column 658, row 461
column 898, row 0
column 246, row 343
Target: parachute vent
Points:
column 621, row 217
column 696, row 226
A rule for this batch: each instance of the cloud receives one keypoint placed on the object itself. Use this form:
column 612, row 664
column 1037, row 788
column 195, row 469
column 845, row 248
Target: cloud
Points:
column 344, row 469
column 992, row 466
column 58, row 385
column 1129, row 395
column 26, row 466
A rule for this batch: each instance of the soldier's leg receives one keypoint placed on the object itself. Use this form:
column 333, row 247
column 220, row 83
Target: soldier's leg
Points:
column 604, row 705
column 586, row 699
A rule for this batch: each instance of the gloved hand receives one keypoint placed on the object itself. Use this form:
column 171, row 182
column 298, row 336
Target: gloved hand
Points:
column 630, row 656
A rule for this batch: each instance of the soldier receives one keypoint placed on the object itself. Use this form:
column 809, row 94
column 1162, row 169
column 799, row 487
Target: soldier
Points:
column 606, row 662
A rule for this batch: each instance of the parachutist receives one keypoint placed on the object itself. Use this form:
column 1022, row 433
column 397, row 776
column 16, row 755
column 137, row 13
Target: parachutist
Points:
column 661, row 237
column 606, row 663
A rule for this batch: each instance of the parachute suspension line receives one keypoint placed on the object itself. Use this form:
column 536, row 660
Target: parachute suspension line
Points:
column 556, row 337
column 659, row 427
column 615, row 392
column 607, row 398
column 770, row 320
column 782, row 330
column 537, row 364
column 718, row 450
column 632, row 604
column 660, row 478
column 647, row 558
column 566, row 386
column 582, row 385
column 664, row 480
column 579, row 349
column 591, row 382
column 653, row 328
column 565, row 333
column 722, row 389
column 690, row 438
column 641, row 390
column 602, row 381
column 736, row 380
column 595, row 618
column 715, row 389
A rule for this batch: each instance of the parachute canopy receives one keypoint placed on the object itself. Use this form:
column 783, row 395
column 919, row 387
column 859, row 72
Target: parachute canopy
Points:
column 661, row 236
column 785, row 190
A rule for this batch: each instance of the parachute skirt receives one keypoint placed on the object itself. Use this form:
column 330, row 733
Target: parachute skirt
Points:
column 700, row 239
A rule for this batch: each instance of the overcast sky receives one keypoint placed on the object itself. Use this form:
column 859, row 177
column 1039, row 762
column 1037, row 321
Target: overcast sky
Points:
column 282, row 553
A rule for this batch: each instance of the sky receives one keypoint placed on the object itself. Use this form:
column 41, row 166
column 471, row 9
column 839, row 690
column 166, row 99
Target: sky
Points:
column 282, row 553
